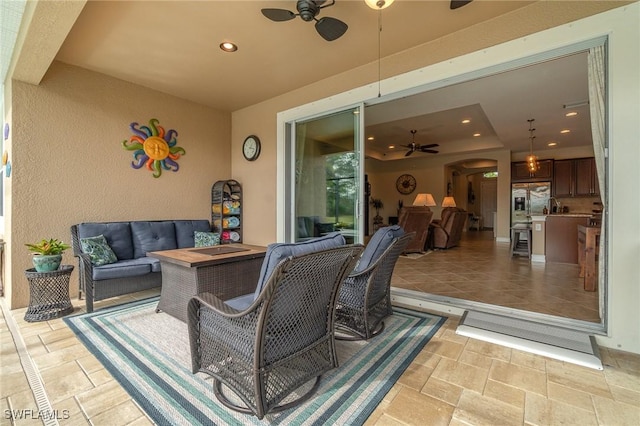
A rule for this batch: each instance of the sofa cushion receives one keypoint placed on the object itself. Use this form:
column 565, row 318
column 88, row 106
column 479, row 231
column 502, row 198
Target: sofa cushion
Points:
column 380, row 241
column 122, row 269
column 98, row 250
column 277, row 252
column 117, row 234
column 185, row 231
column 206, row 239
column 241, row 302
column 152, row 236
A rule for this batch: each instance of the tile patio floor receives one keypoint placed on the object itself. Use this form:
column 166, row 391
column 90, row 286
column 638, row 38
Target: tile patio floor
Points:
column 453, row 381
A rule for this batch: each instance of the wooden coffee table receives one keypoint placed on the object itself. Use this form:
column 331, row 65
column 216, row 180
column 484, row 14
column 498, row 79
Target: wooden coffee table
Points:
column 227, row 271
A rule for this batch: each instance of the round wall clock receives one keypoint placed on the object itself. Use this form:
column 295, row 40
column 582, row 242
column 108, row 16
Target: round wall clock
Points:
column 251, row 148
column 406, row 184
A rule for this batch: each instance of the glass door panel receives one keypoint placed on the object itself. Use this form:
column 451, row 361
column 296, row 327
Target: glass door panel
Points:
column 328, row 178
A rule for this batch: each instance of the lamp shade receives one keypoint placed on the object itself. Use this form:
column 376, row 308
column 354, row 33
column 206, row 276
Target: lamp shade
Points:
column 378, row 4
column 448, row 202
column 424, row 200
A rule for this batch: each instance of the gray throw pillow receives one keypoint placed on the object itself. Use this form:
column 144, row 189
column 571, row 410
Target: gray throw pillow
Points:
column 98, row 250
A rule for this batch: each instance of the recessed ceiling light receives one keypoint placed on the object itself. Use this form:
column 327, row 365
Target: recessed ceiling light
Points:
column 571, row 114
column 476, row 135
column 466, row 121
column 392, row 146
column 565, row 131
column 227, row 46
column 552, row 144
column 370, row 138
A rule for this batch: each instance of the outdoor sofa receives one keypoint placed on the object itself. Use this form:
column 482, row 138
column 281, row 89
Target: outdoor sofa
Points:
column 117, row 263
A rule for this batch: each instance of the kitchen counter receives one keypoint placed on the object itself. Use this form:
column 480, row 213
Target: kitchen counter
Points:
column 561, row 236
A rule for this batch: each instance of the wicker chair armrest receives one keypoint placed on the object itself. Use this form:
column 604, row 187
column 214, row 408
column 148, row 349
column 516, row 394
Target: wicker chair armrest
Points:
column 211, row 302
column 364, row 273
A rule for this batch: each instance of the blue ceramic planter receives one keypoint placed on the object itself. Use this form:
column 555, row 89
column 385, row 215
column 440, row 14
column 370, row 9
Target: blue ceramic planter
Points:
column 47, row 263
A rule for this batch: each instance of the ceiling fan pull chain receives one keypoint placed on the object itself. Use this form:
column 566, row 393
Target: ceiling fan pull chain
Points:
column 379, row 49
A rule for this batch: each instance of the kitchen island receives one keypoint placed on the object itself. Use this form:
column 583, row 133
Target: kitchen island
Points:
column 561, row 236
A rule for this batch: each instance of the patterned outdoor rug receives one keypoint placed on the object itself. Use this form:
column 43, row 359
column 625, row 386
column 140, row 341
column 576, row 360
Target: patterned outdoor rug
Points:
column 148, row 353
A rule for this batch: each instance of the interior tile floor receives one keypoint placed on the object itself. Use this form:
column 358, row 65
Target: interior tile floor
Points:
column 481, row 270
column 453, row 381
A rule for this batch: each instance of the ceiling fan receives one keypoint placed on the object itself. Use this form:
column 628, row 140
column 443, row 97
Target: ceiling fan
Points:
column 329, row 28
column 458, row 3
column 413, row 146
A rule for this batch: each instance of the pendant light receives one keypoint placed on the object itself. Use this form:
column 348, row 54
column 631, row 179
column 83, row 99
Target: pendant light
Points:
column 532, row 160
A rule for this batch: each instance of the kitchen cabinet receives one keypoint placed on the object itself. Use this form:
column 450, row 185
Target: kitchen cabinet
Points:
column 520, row 171
column 575, row 178
column 586, row 177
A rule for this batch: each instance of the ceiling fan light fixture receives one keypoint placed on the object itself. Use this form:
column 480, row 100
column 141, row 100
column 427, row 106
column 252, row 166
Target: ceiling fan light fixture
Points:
column 378, row 4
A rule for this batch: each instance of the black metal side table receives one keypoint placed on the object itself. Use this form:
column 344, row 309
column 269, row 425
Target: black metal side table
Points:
column 49, row 294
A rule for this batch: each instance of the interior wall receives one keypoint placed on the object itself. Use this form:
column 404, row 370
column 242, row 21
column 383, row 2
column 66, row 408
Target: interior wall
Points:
column 69, row 165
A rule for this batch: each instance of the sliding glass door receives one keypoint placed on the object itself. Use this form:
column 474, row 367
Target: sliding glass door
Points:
column 326, row 176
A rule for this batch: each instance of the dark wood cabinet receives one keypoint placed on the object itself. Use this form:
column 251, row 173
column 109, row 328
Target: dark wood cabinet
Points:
column 563, row 178
column 575, row 178
column 520, row 172
column 586, row 177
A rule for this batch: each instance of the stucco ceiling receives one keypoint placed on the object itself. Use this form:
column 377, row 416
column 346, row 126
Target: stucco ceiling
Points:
column 172, row 46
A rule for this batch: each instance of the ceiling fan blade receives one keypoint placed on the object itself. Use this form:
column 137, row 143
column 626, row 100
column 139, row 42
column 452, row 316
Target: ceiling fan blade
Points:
column 278, row 15
column 408, row 153
column 458, row 3
column 331, row 28
column 430, row 151
column 431, row 145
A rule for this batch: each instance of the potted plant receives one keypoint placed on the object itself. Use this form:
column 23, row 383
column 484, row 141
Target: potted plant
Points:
column 376, row 203
column 47, row 254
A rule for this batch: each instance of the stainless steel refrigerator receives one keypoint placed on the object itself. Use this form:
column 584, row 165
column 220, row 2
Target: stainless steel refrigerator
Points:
column 528, row 199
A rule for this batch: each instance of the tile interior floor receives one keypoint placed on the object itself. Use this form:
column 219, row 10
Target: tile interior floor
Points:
column 481, row 270
column 453, row 381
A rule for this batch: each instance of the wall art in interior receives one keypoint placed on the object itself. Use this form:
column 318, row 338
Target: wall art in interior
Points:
column 154, row 148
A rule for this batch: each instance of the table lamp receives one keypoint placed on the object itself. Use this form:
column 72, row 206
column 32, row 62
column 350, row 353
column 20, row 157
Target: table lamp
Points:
column 448, row 202
column 424, row 200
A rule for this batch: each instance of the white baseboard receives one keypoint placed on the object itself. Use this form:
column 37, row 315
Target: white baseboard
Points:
column 539, row 258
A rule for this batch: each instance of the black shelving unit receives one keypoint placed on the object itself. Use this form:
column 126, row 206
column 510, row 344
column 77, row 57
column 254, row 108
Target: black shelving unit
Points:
column 226, row 210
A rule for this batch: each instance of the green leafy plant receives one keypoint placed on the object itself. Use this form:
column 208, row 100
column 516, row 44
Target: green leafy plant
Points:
column 48, row 247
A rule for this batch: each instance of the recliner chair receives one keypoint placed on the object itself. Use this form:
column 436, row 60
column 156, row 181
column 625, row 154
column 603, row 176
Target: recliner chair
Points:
column 448, row 230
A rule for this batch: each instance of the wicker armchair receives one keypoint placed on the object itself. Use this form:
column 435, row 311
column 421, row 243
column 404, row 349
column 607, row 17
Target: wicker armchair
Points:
column 365, row 295
column 282, row 341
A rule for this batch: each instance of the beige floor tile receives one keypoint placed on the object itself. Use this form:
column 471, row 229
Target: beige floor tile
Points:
column 476, row 409
column 463, row 375
column 476, row 359
column 623, row 378
column 70, row 412
column 625, row 395
column 415, row 376
column 13, row 383
column 527, row 359
column 540, row 411
column 118, row 415
column 56, row 335
column 525, row 378
column 141, row 421
column 385, row 420
column 611, row 412
column 64, row 381
column 578, row 398
column 579, row 378
column 102, row 398
column 414, row 408
column 53, row 359
column 445, row 348
column 442, row 390
column 505, row 393
column 488, row 349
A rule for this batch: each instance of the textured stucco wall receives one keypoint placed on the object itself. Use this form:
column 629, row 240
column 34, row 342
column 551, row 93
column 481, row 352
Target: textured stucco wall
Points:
column 69, row 165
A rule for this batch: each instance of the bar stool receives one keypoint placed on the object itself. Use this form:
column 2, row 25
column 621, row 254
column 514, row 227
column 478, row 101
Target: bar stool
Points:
column 518, row 245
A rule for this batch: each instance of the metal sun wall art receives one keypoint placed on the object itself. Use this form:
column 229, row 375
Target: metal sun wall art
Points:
column 154, row 148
